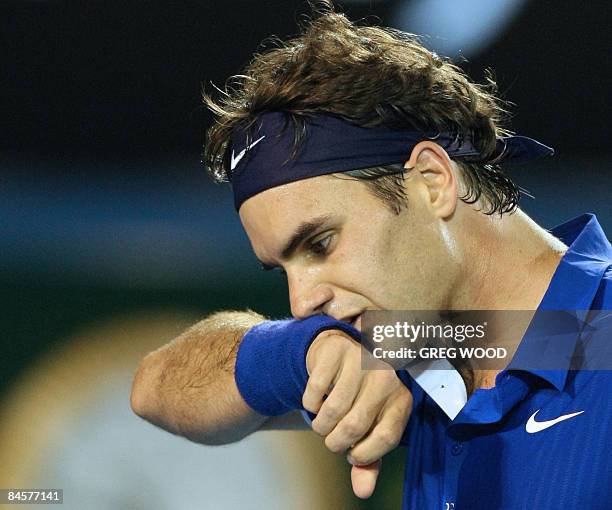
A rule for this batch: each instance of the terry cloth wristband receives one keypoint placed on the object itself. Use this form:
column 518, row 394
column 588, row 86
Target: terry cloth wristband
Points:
column 270, row 369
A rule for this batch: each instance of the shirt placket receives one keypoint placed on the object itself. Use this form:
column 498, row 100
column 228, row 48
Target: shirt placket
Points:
column 453, row 459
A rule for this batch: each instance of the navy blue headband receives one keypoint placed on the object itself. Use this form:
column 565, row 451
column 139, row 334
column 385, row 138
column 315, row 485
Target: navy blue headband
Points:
column 262, row 157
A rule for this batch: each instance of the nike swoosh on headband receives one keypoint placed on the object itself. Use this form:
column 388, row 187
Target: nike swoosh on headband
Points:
column 236, row 159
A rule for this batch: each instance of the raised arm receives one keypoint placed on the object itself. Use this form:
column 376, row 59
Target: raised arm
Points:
column 187, row 387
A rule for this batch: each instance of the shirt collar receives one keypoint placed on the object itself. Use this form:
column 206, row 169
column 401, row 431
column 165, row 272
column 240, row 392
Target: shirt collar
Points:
column 572, row 287
column 442, row 382
column 572, row 290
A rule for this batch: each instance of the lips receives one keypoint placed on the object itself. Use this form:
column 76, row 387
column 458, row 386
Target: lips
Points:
column 354, row 319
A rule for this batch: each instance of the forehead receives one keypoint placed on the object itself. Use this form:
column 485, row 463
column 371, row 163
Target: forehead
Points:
column 318, row 195
column 273, row 214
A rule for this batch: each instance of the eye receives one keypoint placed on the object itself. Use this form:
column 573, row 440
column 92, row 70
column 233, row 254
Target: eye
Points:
column 321, row 246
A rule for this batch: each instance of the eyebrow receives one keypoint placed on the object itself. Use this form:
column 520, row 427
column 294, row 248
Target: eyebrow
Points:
column 301, row 233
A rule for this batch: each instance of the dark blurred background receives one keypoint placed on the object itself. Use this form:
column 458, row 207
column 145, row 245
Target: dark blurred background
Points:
column 106, row 209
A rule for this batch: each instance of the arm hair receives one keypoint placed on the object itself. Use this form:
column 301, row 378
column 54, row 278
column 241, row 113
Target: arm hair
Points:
column 187, row 386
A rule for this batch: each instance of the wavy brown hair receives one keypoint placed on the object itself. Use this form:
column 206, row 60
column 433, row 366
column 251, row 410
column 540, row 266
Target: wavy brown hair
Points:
column 370, row 76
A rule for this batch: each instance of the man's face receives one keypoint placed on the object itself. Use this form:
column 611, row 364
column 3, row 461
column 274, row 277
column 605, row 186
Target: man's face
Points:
column 344, row 251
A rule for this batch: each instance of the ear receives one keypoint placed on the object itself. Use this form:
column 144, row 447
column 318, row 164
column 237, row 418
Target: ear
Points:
column 431, row 162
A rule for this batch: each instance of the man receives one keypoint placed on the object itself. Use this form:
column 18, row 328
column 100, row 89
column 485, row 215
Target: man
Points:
column 367, row 168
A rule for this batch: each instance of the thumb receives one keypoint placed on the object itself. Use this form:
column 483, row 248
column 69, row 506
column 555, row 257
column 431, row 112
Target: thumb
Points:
column 363, row 479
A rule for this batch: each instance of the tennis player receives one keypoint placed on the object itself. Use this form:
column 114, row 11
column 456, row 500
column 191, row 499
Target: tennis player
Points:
column 369, row 170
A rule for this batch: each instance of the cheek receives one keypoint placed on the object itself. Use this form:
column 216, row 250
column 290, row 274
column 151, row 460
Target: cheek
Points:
column 395, row 267
column 366, row 269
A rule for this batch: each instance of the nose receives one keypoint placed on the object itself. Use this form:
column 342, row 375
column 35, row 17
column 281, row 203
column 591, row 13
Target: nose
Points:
column 307, row 296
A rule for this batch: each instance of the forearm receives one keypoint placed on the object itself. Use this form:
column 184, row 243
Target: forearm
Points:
column 188, row 388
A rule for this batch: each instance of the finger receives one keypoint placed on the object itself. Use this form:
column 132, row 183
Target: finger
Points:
column 377, row 388
column 360, row 418
column 363, row 479
column 341, row 397
column 386, row 433
column 320, row 382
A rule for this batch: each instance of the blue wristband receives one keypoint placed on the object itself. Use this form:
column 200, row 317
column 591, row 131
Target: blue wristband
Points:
column 270, row 370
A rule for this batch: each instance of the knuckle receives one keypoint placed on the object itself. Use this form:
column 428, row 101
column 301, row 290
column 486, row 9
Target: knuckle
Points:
column 381, row 380
column 405, row 392
column 360, row 458
column 390, row 380
column 353, row 425
column 308, row 404
column 317, row 427
column 332, row 445
column 317, row 384
column 387, row 437
column 406, row 397
column 334, row 409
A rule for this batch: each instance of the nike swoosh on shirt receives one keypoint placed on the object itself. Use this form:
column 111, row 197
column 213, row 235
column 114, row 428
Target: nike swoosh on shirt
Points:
column 532, row 426
column 236, row 159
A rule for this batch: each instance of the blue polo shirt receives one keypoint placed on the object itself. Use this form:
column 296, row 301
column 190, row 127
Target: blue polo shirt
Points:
column 501, row 451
